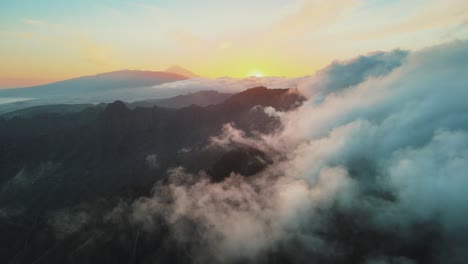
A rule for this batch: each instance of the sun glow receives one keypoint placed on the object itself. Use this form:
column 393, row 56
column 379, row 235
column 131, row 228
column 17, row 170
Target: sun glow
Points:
column 256, row 74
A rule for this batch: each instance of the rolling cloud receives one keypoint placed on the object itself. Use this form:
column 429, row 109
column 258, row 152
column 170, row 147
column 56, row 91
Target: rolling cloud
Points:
column 371, row 169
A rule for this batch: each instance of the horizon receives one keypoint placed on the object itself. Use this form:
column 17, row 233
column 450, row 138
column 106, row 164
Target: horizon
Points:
column 253, row 75
column 58, row 41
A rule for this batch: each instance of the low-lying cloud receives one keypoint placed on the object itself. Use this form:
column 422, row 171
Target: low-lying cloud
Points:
column 230, row 85
column 372, row 172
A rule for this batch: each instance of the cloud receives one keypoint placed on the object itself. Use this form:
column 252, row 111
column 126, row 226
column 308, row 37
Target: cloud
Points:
column 372, row 173
column 340, row 75
column 271, row 112
column 232, row 137
column 68, row 221
column 152, row 161
column 232, row 219
column 459, row 31
column 231, row 85
column 430, row 179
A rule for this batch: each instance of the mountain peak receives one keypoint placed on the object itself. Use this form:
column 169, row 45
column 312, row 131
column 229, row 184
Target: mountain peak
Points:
column 181, row 71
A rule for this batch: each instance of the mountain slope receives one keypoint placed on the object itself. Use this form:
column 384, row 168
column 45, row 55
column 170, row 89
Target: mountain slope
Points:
column 202, row 98
column 46, row 109
column 181, row 71
column 96, row 83
column 106, row 87
column 282, row 99
column 100, row 157
column 100, row 135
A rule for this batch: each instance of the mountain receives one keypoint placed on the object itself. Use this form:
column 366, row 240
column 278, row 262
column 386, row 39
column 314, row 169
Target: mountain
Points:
column 105, row 87
column 282, row 99
column 46, row 109
column 181, row 71
column 201, row 98
column 257, row 95
column 101, row 156
column 100, row 133
column 98, row 158
column 127, row 86
column 95, row 83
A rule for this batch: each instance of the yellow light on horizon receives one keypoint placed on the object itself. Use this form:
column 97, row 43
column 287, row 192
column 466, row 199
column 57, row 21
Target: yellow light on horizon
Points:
column 256, row 74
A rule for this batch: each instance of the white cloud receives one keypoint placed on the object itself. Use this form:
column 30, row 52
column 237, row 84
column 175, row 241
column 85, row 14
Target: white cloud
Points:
column 231, row 85
column 384, row 149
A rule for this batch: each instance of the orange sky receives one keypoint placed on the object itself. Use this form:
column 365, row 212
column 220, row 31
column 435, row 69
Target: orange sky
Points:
column 55, row 40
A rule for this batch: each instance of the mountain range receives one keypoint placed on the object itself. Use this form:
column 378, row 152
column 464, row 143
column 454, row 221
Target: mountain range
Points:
column 102, row 155
column 201, row 98
column 129, row 85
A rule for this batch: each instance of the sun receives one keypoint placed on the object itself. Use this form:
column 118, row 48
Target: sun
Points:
column 256, row 74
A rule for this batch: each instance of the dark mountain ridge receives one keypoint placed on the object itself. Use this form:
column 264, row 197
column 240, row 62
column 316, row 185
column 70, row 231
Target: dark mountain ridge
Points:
column 67, row 181
column 201, row 98
column 101, row 156
column 114, row 142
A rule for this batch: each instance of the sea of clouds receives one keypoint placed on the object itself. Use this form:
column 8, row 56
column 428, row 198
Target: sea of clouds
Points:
column 372, row 168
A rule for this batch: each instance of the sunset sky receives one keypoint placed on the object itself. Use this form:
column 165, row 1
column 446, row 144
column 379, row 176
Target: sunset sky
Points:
column 56, row 40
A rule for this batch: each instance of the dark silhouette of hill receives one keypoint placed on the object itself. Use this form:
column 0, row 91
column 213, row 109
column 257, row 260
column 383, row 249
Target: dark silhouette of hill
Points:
column 281, row 99
column 202, row 98
column 63, row 175
column 104, row 87
column 116, row 140
column 243, row 160
column 47, row 109
column 94, row 158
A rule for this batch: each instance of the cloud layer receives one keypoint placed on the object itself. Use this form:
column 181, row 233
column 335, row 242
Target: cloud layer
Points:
column 371, row 169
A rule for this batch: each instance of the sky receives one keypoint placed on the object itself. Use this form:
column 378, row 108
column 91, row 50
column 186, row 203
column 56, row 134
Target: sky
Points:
column 47, row 41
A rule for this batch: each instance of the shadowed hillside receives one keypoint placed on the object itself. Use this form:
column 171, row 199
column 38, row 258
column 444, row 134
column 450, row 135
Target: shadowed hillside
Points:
column 94, row 158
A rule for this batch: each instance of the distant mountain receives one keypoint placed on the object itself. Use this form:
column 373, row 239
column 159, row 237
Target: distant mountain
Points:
column 95, row 83
column 61, row 109
column 105, row 87
column 202, row 98
column 181, row 71
column 127, row 86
